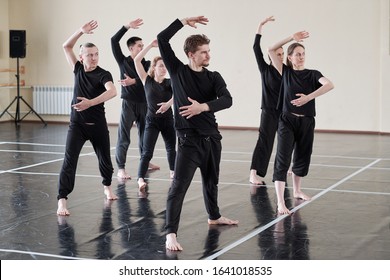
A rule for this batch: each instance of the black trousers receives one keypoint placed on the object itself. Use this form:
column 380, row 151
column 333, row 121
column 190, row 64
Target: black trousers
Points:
column 294, row 134
column 153, row 128
column 265, row 143
column 131, row 112
column 77, row 135
column 193, row 152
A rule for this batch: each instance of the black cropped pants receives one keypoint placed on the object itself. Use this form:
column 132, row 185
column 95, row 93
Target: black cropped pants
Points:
column 294, row 134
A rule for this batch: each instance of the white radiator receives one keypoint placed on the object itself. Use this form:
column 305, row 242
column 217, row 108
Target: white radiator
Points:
column 52, row 100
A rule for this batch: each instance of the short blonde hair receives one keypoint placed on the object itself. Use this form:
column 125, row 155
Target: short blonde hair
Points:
column 86, row 45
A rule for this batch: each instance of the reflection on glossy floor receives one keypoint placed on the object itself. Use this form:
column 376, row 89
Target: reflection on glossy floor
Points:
column 347, row 219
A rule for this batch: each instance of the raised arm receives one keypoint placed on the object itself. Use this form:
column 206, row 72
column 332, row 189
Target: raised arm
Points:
column 298, row 37
column 262, row 23
column 261, row 63
column 115, row 45
column 171, row 61
column 69, row 44
column 138, row 59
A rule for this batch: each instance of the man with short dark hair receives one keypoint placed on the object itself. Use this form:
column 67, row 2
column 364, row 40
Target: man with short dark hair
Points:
column 134, row 106
column 197, row 94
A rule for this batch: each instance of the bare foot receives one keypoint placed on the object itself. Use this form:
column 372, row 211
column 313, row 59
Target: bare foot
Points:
column 153, row 166
column 301, row 195
column 219, row 228
column 109, row 193
column 255, row 179
column 122, row 174
column 282, row 209
column 62, row 210
column 222, row 221
column 171, row 174
column 171, row 243
column 141, row 184
column 258, row 183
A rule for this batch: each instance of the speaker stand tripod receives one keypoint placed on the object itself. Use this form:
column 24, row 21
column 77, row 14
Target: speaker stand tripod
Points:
column 19, row 98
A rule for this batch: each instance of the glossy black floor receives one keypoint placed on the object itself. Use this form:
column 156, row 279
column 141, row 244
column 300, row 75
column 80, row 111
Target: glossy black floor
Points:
column 347, row 219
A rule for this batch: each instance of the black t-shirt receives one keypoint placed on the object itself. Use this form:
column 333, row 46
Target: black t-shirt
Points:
column 157, row 93
column 204, row 87
column 298, row 81
column 89, row 85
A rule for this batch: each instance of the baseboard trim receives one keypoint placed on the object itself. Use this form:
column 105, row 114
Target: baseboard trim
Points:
column 244, row 128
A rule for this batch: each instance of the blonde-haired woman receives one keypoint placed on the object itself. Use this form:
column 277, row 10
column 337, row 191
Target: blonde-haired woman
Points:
column 159, row 117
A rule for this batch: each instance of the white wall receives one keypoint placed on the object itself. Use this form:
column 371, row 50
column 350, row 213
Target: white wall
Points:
column 384, row 101
column 4, row 57
column 349, row 44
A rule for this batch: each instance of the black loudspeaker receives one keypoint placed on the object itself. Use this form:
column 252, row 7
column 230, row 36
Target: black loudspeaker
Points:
column 17, row 43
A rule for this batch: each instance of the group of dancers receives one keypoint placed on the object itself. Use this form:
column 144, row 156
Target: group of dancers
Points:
column 195, row 93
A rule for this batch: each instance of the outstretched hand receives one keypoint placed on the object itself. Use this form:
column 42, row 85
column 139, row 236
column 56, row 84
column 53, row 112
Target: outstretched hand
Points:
column 89, row 27
column 299, row 36
column 135, row 24
column 271, row 18
column 192, row 21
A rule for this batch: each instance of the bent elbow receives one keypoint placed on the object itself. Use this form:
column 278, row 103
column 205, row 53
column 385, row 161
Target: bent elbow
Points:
column 270, row 50
column 66, row 46
column 331, row 85
column 230, row 103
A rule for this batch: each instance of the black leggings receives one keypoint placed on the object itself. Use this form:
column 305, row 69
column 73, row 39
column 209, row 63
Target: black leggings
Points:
column 294, row 134
column 130, row 113
column 152, row 129
column 78, row 134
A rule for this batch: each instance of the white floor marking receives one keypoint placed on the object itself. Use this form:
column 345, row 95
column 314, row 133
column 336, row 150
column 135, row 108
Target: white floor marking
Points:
column 278, row 219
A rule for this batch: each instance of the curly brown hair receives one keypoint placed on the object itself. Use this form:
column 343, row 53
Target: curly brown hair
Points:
column 192, row 43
